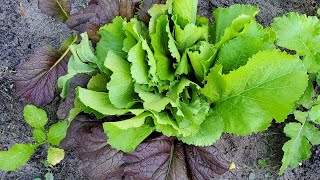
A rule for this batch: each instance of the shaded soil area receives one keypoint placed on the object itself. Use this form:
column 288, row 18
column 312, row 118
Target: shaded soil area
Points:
column 23, row 28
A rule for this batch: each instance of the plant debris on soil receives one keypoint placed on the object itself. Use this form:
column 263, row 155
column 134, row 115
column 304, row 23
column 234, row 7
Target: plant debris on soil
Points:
column 23, row 28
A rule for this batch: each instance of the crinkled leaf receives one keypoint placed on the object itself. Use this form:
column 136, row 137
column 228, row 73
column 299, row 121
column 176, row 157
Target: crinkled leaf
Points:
column 55, row 155
column 37, row 77
column 209, row 132
column 159, row 42
column 189, row 35
column 265, row 88
column 98, row 101
column 202, row 60
column 300, row 33
column 112, row 37
column 82, row 56
column 57, row 132
column 39, row 135
column 145, row 5
column 152, row 101
column 236, row 52
column 186, row 9
column 298, row 148
column 35, row 117
column 139, row 66
column 17, row 156
column 235, row 16
column 156, row 11
column 126, row 135
column 58, row 9
column 121, row 86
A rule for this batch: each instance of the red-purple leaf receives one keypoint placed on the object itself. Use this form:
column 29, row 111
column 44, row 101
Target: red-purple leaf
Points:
column 158, row 157
column 58, row 9
column 98, row 13
column 36, row 78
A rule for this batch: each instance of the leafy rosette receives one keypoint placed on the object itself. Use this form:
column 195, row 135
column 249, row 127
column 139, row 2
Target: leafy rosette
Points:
column 184, row 77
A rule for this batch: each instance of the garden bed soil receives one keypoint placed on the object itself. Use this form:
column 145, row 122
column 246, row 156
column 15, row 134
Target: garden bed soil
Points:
column 23, row 28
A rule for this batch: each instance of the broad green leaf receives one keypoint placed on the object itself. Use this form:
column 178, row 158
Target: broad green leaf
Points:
column 35, row 117
column 300, row 33
column 120, row 87
column 186, row 8
column 57, row 132
column 235, row 16
column 17, row 156
column 98, row 101
column 39, row 135
column 202, row 60
column 298, row 148
column 55, row 155
column 172, row 45
column 98, row 83
column 137, row 29
column 183, row 67
column 84, row 50
column 133, row 131
column 112, row 37
column 209, row 132
column 265, row 88
column 166, row 124
column 236, row 52
column 139, row 66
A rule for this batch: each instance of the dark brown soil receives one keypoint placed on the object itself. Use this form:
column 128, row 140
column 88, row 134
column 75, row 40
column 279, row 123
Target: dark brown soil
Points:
column 21, row 33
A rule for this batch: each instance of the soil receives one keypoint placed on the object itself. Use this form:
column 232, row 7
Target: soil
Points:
column 23, row 28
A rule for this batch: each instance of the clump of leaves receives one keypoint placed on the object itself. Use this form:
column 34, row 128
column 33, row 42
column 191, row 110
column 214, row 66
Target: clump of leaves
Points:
column 177, row 78
column 20, row 154
column 301, row 34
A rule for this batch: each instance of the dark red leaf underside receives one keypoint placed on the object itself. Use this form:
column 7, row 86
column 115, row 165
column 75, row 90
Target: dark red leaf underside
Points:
column 52, row 8
column 158, row 157
column 36, row 78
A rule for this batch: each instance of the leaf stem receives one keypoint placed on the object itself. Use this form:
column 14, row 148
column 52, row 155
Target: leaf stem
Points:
column 64, row 54
column 62, row 9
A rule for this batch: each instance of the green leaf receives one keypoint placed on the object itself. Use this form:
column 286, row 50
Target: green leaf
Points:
column 298, row 147
column 187, row 9
column 306, row 99
column 39, row 135
column 202, row 60
column 126, row 135
column 300, row 33
column 112, row 38
column 98, row 101
column 121, row 86
column 188, row 36
column 57, row 132
column 156, row 11
column 35, row 117
column 314, row 114
column 236, row 52
column 209, row 132
column 213, row 89
column 17, row 156
column 98, row 83
column 152, row 101
column 79, row 62
column 139, row 65
column 55, row 155
column 233, row 17
column 265, row 88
